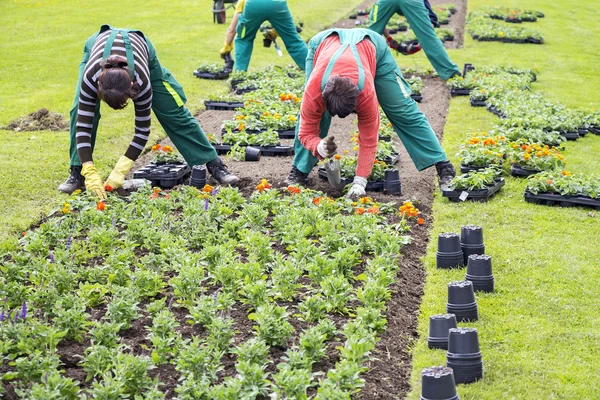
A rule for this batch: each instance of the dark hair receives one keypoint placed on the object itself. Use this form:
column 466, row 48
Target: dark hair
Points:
column 114, row 84
column 340, row 96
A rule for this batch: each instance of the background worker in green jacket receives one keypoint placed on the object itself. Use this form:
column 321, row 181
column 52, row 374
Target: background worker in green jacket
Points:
column 420, row 22
column 249, row 16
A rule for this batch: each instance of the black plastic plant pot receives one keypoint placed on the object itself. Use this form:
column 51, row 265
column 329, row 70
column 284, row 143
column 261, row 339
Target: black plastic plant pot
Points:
column 417, row 97
column 448, row 243
column 471, row 249
column 520, row 172
column 252, row 153
column 437, row 383
column 449, row 260
column 460, row 293
column 463, row 343
column 460, row 92
column 479, row 272
column 471, row 234
column 267, row 42
column 466, row 68
column 198, row 176
column 391, row 183
column 439, row 325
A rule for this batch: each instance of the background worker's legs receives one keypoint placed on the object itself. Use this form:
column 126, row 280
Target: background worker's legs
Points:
column 381, row 14
column 248, row 25
column 303, row 159
column 182, row 128
column 408, row 121
column 281, row 19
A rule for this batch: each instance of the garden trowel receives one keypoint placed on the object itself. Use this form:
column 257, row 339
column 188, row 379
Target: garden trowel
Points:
column 334, row 176
column 277, row 49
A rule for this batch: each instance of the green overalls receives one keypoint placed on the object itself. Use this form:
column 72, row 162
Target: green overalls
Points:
column 393, row 94
column 278, row 14
column 168, row 101
column 418, row 17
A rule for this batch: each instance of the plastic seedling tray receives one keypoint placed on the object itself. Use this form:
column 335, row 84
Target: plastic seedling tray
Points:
column 552, row 199
column 480, row 195
column 477, row 103
column 594, row 129
column 520, row 172
column 385, row 138
column 372, row 186
column 223, row 105
column 165, row 175
column 460, row 92
column 391, row 160
column 283, row 134
column 266, row 151
column 466, row 168
column 210, row 75
column 235, row 82
column 571, row 135
column 242, row 91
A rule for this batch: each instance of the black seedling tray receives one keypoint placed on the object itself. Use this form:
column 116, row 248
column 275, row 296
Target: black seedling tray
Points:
column 393, row 159
column 235, row 82
column 481, row 195
column 466, row 168
column 242, row 91
column 571, row 135
column 223, row 105
column 477, row 103
column 286, row 134
column 372, row 186
column 460, row 92
column 594, row 129
column 552, row 199
column 165, row 176
column 520, row 172
column 417, row 97
column 210, row 75
column 266, row 151
column 385, row 138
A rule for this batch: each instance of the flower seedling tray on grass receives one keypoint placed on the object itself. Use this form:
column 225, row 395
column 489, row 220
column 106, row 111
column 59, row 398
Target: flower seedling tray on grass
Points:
column 166, row 175
column 467, row 168
column 223, row 105
column 571, row 135
column 266, row 151
column 460, row 92
column 594, row 129
column 246, row 90
column 417, row 97
column 385, row 138
column 552, row 199
column 480, row 195
column 283, row 134
column 520, row 172
column 478, row 103
column 210, row 75
column 372, row 186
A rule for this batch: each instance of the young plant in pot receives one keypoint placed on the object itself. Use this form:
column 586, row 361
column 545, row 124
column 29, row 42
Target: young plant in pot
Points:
column 165, row 155
column 481, row 151
column 530, row 158
column 477, row 186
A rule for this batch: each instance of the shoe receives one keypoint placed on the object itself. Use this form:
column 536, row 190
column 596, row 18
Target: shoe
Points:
column 219, row 171
column 296, row 177
column 74, row 181
column 446, row 173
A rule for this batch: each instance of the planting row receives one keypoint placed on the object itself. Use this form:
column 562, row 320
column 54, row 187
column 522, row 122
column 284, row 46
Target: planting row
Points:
column 199, row 294
column 483, row 28
column 514, row 15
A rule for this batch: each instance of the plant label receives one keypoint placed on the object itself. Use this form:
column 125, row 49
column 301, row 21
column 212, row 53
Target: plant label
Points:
column 463, row 196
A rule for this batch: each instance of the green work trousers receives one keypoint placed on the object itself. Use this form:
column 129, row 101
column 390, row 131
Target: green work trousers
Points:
column 278, row 14
column 168, row 104
column 417, row 16
column 393, row 94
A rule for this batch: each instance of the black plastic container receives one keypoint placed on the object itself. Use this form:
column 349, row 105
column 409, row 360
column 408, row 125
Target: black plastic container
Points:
column 448, row 243
column 471, row 241
column 461, row 301
column 437, row 383
column 223, row 105
column 479, row 272
column 553, row 199
column 439, row 325
column 417, row 97
column 198, row 176
column 212, row 75
column 252, row 153
column 520, row 172
column 479, row 195
column 466, row 68
column 165, row 175
column 464, row 355
column 449, row 254
column 267, row 42
column 391, row 183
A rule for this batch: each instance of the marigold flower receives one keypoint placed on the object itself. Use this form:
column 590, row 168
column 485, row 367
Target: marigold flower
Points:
column 365, row 200
column 167, row 149
column 276, row 116
column 420, row 221
column 566, row 173
column 154, row 195
column 263, row 185
column 168, row 196
column 77, row 192
column 100, row 206
column 549, row 182
column 474, row 141
column 346, row 152
column 266, row 114
column 360, row 211
column 539, row 154
column 355, row 148
column 156, row 190
column 524, row 147
column 207, row 188
column 292, row 118
column 66, row 208
column 293, row 190
column 337, row 156
column 526, row 156
column 108, row 188
column 317, row 200
column 156, row 147
column 373, row 210
column 24, row 233
column 241, row 127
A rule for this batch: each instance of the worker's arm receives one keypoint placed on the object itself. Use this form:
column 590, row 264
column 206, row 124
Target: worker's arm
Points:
column 230, row 35
column 432, row 15
column 311, row 113
column 368, row 133
column 419, row 21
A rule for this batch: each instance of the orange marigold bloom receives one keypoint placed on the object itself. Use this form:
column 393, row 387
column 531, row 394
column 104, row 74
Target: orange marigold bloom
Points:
column 360, row 211
column 524, row 147
column 293, row 189
column 156, row 147
column 167, row 149
column 241, row 127
column 276, row 116
column 539, row 154
column 156, row 190
column 373, row 210
column 24, row 233
column 337, row 156
column 154, row 195
column 474, row 141
column 108, row 188
column 566, row 173
column 526, row 156
column 100, row 206
column 317, row 200
column 207, row 188
column 420, row 221
column 266, row 114
column 549, row 182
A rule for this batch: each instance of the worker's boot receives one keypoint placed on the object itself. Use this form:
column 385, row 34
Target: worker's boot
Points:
column 74, row 181
column 446, row 173
column 219, row 171
column 296, row 177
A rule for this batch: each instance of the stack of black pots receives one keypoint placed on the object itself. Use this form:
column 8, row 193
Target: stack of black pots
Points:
column 461, row 301
column 471, row 241
column 464, row 356
column 439, row 325
column 437, row 383
column 449, row 254
column 479, row 272
column 391, row 183
column 198, row 176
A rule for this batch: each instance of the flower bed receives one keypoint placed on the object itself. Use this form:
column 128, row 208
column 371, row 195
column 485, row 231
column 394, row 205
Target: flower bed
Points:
column 514, row 15
column 202, row 294
column 483, row 28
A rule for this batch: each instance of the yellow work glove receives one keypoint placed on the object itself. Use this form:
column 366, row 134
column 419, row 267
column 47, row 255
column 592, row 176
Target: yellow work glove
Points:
column 271, row 34
column 117, row 176
column 93, row 182
column 227, row 48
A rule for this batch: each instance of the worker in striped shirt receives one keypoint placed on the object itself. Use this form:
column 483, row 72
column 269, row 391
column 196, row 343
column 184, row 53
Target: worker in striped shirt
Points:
column 118, row 65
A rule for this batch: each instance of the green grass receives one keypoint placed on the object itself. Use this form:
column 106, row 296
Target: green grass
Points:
column 42, row 43
column 539, row 330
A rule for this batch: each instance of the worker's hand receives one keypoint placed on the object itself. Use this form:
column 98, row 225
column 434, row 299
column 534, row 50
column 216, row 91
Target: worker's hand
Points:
column 327, row 147
column 93, row 182
column 358, row 188
column 117, row 176
column 408, row 49
column 392, row 43
column 227, row 48
column 271, row 34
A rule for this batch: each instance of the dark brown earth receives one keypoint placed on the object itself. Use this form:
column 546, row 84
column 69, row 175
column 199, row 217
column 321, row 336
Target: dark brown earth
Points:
column 41, row 120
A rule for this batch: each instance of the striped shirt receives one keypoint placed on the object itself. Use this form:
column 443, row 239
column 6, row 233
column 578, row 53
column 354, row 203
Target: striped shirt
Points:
column 88, row 95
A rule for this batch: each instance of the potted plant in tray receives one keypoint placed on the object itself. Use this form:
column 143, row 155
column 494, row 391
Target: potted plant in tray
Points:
column 476, row 186
column 531, row 158
column 481, row 151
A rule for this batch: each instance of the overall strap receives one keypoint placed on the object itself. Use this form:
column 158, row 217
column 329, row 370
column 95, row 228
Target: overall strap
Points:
column 361, row 71
column 128, row 49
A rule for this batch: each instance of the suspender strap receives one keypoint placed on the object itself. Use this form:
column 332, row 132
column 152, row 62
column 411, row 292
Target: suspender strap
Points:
column 361, row 71
column 128, row 49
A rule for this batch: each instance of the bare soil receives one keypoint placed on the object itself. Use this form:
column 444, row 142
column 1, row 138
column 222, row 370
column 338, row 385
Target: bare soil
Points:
column 41, row 120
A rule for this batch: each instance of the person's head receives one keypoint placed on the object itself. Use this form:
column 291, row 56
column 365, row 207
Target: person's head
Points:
column 340, row 96
column 114, row 84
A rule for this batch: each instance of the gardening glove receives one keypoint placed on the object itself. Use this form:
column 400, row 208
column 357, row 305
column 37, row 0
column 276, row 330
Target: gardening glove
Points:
column 117, row 176
column 227, row 48
column 93, row 182
column 358, row 188
column 408, row 49
column 392, row 43
column 271, row 34
column 327, row 147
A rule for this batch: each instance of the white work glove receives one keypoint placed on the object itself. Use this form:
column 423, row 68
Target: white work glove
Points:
column 358, row 188
column 327, row 147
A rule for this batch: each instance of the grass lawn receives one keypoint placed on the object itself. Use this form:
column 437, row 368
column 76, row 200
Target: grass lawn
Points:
column 42, row 43
column 539, row 331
